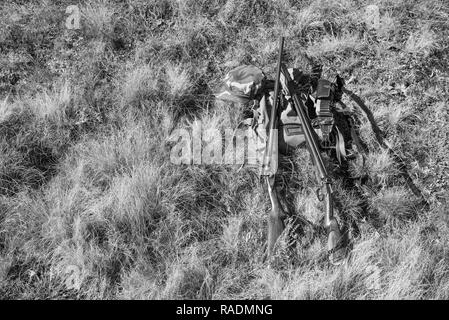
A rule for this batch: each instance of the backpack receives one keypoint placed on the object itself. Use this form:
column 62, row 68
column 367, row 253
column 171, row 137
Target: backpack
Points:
column 248, row 85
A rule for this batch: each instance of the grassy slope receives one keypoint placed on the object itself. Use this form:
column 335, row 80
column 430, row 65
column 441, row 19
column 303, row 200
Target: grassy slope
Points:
column 86, row 184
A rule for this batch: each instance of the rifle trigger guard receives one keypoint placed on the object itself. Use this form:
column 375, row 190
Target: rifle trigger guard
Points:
column 319, row 195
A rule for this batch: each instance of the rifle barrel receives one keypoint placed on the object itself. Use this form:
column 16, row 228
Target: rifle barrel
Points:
column 276, row 84
column 270, row 159
column 313, row 146
column 300, row 110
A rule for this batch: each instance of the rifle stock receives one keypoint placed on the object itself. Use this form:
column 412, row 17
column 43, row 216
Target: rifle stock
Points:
column 275, row 222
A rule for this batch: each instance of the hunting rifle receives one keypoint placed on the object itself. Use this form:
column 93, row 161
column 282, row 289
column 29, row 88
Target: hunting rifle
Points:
column 275, row 224
column 270, row 163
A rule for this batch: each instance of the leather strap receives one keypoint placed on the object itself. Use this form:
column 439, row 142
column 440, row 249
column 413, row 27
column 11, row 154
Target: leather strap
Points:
column 340, row 146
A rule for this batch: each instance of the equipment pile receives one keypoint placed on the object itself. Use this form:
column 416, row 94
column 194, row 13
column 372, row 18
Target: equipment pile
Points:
column 293, row 110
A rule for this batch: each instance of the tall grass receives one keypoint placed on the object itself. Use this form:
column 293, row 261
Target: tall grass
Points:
column 92, row 207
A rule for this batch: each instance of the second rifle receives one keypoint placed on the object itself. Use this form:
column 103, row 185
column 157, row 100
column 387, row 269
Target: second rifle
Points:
column 335, row 248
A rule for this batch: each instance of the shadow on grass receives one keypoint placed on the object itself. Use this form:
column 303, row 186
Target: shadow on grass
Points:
column 400, row 162
column 340, row 171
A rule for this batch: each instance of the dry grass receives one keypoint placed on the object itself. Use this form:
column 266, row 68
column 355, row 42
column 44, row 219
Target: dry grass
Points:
column 98, row 18
column 91, row 206
column 6, row 109
column 53, row 105
column 178, row 81
column 422, row 41
column 336, row 44
column 395, row 203
column 140, row 84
